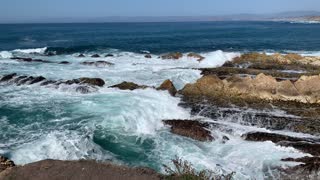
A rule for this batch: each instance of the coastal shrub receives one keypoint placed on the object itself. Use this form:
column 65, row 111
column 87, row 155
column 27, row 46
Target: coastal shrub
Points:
column 183, row 170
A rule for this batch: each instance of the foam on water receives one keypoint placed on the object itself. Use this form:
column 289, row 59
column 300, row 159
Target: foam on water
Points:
column 31, row 51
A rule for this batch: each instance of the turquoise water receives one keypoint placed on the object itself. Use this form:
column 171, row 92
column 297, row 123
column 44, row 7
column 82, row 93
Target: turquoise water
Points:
column 125, row 127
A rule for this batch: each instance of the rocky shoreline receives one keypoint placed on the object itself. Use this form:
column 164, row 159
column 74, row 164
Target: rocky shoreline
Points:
column 251, row 87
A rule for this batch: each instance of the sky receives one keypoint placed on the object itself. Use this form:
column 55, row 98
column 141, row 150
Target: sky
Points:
column 40, row 10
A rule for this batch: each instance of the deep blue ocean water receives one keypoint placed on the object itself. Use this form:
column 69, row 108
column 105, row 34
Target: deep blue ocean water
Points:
column 163, row 37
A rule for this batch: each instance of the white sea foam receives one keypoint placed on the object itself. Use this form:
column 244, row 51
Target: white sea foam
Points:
column 5, row 54
column 31, row 51
column 217, row 58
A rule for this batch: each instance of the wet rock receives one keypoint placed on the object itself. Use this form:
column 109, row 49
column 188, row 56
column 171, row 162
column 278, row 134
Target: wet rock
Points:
column 48, row 82
column 5, row 163
column 148, row 56
column 275, row 138
column 306, row 145
column 83, row 89
column 8, row 77
column 109, row 55
column 129, row 86
column 175, row 56
column 81, row 55
column 25, row 80
column 192, row 129
column 196, row 56
column 95, row 56
column 168, row 85
column 64, row 62
column 30, row 60
column 97, row 63
column 92, row 81
column 310, row 169
column 37, row 80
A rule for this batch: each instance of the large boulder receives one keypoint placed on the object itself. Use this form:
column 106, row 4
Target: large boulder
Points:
column 168, row 85
column 192, row 129
column 92, row 81
column 196, row 56
column 128, row 86
column 175, row 56
column 8, row 77
column 309, row 86
column 5, row 163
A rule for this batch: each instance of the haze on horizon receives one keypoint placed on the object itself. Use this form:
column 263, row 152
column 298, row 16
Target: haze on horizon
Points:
column 12, row 11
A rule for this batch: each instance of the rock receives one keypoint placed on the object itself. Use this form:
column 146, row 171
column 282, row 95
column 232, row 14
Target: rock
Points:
column 37, row 80
column 64, row 62
column 97, row 63
column 22, row 59
column 25, row 80
column 81, row 55
column 148, row 56
column 310, row 169
column 310, row 86
column 191, row 129
column 306, row 145
column 175, row 56
column 129, row 86
column 8, row 77
column 5, row 163
column 83, row 89
column 50, row 53
column 45, row 83
column 109, row 55
column 95, row 56
column 168, row 85
column 92, row 81
column 275, row 138
column 196, row 56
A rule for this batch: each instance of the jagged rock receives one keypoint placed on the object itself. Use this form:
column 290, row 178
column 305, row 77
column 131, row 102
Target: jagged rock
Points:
column 192, row 129
column 309, row 86
column 310, row 169
column 148, row 56
column 37, row 80
column 306, row 145
column 8, row 77
column 196, row 56
column 175, row 56
column 128, row 86
column 47, row 82
column 30, row 60
column 95, row 56
column 97, row 63
column 109, row 55
column 83, row 89
column 168, row 85
column 92, row 81
column 81, row 55
column 5, row 163
column 25, row 80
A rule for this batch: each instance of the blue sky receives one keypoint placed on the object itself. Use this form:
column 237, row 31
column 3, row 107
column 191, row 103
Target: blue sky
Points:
column 25, row 10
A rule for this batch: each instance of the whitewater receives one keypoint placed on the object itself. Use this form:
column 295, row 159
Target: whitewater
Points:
column 122, row 126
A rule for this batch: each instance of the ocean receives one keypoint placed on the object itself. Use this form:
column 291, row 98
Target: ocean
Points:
column 125, row 126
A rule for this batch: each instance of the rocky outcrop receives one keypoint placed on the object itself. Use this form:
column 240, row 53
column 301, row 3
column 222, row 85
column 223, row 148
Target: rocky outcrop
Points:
column 5, row 163
column 309, row 169
column 97, row 63
column 30, row 60
column 85, row 82
column 192, row 129
column 196, row 56
column 81, row 55
column 109, row 55
column 148, row 56
column 168, row 85
column 128, row 86
column 64, row 62
column 78, row 170
column 174, row 56
column 263, row 87
column 95, row 56
column 306, row 145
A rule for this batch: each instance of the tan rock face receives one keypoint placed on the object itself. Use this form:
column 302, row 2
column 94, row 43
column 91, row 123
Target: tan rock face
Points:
column 174, row 56
column 305, row 90
column 168, row 85
column 196, row 56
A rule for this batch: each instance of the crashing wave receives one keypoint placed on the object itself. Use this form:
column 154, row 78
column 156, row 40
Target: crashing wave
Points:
column 5, row 54
column 32, row 51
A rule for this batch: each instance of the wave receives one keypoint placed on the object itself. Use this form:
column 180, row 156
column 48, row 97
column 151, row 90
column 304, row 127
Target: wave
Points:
column 31, row 51
column 5, row 54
